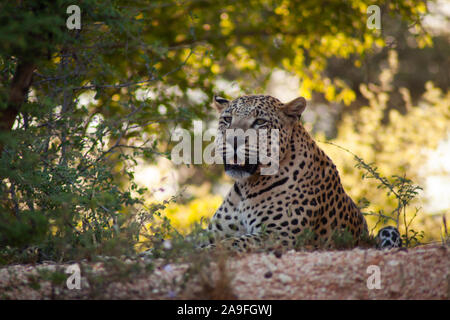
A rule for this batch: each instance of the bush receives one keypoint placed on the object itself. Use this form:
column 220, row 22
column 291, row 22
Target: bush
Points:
column 59, row 191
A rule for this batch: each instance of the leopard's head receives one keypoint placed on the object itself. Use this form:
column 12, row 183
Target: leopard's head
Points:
column 254, row 132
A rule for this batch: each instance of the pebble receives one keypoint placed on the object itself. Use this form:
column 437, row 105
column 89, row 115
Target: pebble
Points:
column 393, row 263
column 278, row 253
column 284, row 278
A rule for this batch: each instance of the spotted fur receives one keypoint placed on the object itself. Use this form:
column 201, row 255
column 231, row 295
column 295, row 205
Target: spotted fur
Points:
column 389, row 237
column 305, row 192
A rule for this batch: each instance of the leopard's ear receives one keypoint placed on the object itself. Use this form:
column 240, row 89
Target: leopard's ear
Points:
column 220, row 103
column 294, row 108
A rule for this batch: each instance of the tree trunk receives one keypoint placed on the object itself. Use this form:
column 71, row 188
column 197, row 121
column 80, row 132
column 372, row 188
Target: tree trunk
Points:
column 20, row 85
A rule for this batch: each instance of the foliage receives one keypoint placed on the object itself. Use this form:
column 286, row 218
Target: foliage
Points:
column 394, row 144
column 305, row 238
column 63, row 165
column 182, row 216
column 404, row 192
column 59, row 192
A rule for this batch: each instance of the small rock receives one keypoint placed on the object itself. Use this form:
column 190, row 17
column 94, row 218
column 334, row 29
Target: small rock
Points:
column 393, row 263
column 268, row 274
column 168, row 268
column 269, row 265
column 395, row 288
column 278, row 253
column 285, row 278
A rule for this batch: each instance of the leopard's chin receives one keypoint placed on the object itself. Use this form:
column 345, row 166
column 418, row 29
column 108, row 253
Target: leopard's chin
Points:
column 239, row 172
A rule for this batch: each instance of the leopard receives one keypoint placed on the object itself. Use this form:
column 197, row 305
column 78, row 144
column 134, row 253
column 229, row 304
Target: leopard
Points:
column 291, row 187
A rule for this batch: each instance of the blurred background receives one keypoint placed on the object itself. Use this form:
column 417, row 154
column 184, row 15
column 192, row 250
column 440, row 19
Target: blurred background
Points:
column 390, row 106
column 88, row 112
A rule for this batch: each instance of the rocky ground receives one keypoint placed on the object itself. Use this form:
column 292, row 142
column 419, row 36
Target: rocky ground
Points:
column 418, row 273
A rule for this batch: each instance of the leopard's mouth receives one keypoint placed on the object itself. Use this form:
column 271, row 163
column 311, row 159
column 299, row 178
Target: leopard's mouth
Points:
column 250, row 168
column 240, row 171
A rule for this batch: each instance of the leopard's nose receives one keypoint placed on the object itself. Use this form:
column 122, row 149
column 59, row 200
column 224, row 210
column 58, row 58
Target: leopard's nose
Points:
column 234, row 153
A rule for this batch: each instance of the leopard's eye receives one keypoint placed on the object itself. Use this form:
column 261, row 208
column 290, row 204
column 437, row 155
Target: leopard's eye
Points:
column 259, row 122
column 227, row 120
